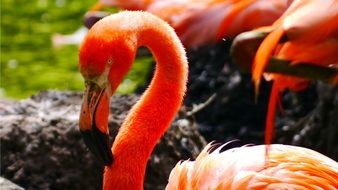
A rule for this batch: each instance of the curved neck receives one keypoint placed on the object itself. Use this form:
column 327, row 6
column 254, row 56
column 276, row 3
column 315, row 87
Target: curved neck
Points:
column 152, row 115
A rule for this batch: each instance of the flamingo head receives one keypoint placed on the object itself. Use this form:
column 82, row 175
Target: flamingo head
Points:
column 104, row 59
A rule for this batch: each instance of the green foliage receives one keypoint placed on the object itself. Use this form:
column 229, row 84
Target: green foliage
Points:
column 29, row 63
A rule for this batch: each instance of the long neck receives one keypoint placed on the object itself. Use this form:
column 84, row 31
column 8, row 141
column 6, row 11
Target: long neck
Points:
column 152, row 115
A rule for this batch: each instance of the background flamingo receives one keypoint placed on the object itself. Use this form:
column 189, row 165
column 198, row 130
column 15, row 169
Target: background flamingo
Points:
column 299, row 37
column 105, row 57
column 199, row 22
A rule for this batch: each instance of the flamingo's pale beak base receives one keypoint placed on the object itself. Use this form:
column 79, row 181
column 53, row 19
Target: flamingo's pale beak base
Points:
column 94, row 122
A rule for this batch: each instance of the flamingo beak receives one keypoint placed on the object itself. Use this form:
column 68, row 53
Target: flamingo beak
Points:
column 94, row 122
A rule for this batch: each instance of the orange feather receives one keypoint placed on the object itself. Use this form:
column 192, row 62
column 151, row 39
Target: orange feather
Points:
column 311, row 29
column 289, row 167
column 199, row 22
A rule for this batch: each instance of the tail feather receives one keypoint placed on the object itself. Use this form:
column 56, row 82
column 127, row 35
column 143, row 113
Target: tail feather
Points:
column 264, row 52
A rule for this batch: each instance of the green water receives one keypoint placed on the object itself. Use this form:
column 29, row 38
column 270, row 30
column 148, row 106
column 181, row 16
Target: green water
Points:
column 29, row 63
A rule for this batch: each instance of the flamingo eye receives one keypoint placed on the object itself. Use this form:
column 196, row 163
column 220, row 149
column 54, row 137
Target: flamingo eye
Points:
column 110, row 62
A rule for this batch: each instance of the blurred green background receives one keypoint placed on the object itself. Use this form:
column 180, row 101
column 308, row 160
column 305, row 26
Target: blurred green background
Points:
column 29, row 63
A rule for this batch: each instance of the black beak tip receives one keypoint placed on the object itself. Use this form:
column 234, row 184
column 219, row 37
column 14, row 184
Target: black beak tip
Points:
column 98, row 143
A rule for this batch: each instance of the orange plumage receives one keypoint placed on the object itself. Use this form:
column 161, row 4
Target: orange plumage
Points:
column 311, row 29
column 197, row 22
column 200, row 22
column 106, row 56
column 289, row 167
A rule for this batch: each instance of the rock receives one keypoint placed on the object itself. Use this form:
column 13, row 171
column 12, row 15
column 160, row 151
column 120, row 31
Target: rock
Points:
column 42, row 147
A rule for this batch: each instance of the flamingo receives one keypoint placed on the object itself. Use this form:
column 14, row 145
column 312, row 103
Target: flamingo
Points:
column 197, row 22
column 201, row 22
column 301, row 37
column 106, row 55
